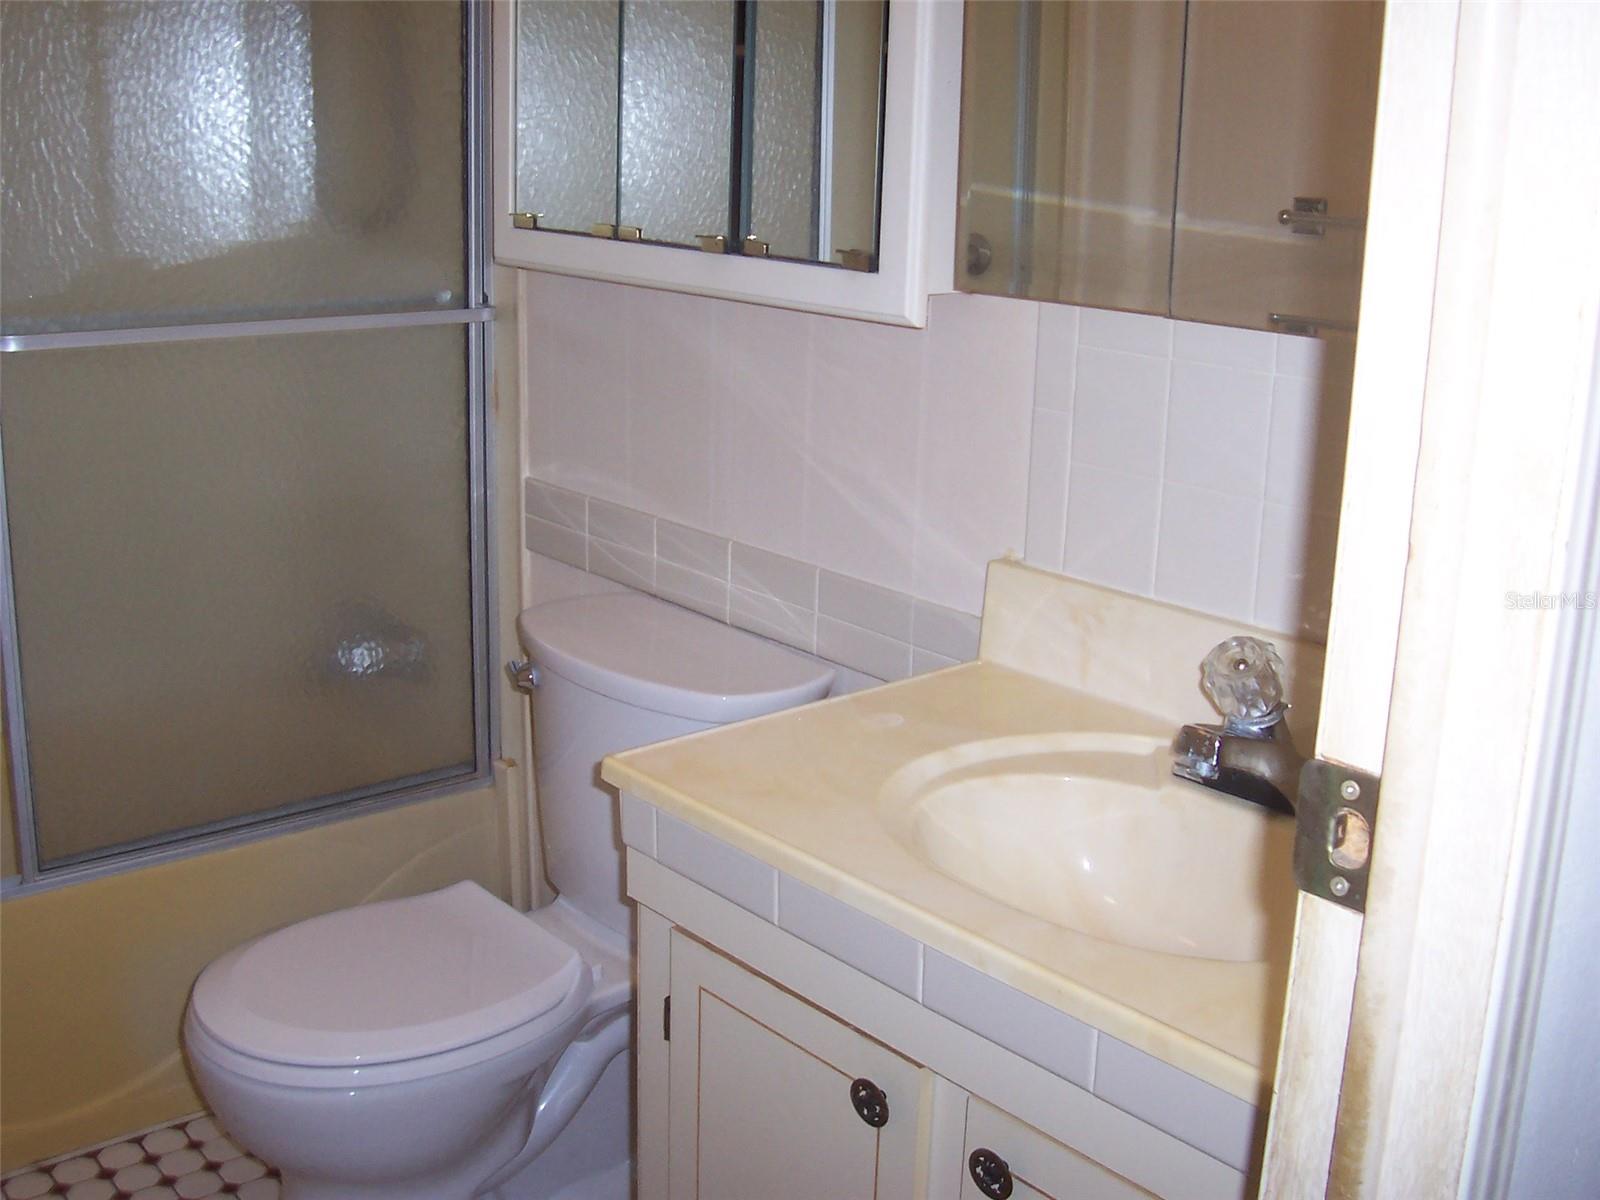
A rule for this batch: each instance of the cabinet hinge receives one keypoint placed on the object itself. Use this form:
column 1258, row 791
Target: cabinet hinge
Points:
column 1336, row 818
column 666, row 1019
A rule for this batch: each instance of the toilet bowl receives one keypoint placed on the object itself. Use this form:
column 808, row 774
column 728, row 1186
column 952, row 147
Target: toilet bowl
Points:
column 435, row 1047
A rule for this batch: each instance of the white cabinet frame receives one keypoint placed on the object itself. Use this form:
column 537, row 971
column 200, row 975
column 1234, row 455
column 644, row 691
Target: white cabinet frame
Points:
column 916, row 251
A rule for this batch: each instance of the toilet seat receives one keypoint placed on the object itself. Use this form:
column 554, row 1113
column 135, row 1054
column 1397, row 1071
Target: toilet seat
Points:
column 404, row 988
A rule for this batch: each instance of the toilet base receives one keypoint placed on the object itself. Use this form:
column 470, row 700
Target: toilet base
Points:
column 591, row 1155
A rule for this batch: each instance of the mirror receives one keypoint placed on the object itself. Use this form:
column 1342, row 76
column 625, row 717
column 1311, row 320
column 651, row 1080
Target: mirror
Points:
column 717, row 125
column 1202, row 160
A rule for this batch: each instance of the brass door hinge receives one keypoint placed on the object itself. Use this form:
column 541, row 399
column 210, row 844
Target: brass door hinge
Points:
column 1336, row 817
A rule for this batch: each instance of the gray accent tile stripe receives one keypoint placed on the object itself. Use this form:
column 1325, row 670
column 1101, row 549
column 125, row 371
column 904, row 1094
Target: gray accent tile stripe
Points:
column 1191, row 1110
column 626, row 527
column 786, row 579
column 864, row 605
column 873, row 629
column 1041, row 1034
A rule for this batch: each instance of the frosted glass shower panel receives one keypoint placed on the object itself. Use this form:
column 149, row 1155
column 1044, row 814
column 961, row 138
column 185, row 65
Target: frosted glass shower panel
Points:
column 567, row 70
column 243, row 577
column 786, row 124
column 172, row 162
column 677, row 118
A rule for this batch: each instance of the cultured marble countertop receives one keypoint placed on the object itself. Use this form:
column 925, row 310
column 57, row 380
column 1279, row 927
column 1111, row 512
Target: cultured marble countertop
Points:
column 799, row 790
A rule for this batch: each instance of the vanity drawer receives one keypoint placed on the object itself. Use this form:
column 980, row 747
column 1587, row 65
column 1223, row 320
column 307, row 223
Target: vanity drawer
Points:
column 1003, row 1157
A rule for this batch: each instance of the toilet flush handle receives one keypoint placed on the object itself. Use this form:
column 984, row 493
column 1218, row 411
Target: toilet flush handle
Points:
column 523, row 674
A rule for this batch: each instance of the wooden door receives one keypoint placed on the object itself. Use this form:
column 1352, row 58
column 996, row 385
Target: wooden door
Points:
column 762, row 1094
column 1463, row 482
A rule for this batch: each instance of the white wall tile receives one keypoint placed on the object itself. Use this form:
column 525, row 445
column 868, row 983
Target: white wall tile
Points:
column 763, row 393
column 1217, row 423
column 576, row 414
column 1047, row 487
column 972, row 469
column 1208, row 545
column 1295, row 582
column 1220, row 345
column 1301, row 356
column 1119, row 412
column 907, row 458
column 671, row 406
column 1112, row 523
column 1136, row 333
column 1305, row 461
column 1056, row 366
column 861, row 450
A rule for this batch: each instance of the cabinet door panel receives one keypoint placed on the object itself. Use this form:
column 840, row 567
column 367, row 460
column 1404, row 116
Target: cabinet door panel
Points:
column 1041, row 1167
column 761, row 1093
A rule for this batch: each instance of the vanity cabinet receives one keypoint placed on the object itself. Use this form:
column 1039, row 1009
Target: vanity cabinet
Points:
column 763, row 1066
column 772, row 1097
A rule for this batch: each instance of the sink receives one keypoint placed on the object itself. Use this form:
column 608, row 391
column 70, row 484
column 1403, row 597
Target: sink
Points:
column 1090, row 831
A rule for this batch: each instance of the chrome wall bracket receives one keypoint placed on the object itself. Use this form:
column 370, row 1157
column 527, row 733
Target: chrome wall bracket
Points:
column 1335, row 818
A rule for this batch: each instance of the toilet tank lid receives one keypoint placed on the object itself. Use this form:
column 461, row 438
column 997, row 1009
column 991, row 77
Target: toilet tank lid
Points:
column 655, row 655
column 391, row 980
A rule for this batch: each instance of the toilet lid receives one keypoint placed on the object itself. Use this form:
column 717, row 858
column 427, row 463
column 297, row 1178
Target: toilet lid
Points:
column 645, row 652
column 392, row 980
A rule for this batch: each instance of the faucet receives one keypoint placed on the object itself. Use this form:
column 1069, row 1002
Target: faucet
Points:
column 1250, row 755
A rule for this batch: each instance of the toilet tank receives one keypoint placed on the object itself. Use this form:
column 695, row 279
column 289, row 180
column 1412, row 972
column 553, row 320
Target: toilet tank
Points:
column 622, row 670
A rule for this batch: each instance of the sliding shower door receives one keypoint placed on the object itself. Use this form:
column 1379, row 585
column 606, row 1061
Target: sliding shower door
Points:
column 241, row 418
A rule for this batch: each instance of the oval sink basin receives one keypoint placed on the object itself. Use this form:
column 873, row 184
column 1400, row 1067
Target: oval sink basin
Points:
column 1092, row 832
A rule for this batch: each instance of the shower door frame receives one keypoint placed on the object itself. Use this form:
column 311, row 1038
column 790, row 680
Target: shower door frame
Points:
column 476, row 320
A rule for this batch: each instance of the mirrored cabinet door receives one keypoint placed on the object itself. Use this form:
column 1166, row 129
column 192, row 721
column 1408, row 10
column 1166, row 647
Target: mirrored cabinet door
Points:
column 1205, row 160
column 794, row 140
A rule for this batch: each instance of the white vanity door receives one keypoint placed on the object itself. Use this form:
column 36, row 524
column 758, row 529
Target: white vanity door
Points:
column 1024, row 1164
column 761, row 1086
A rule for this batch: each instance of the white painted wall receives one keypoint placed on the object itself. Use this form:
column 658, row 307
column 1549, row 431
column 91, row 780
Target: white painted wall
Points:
column 1188, row 462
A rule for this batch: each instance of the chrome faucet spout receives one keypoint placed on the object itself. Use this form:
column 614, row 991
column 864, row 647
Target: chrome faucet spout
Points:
column 1251, row 755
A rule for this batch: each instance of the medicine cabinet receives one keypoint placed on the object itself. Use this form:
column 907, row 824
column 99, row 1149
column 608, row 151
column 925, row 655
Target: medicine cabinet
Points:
column 798, row 153
column 1200, row 160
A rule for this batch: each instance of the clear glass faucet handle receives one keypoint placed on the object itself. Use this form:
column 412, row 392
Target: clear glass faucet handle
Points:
column 1243, row 677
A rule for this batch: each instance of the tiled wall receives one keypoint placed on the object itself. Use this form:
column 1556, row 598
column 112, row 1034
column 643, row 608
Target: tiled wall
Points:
column 1197, row 464
column 1192, row 463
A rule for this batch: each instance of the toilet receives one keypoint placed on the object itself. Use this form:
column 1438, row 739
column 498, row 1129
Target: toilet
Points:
column 447, row 1046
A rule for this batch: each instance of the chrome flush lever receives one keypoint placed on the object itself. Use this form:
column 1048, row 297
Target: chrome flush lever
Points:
column 523, row 674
